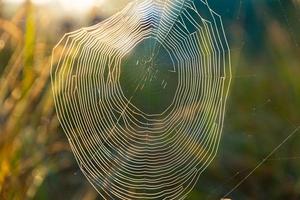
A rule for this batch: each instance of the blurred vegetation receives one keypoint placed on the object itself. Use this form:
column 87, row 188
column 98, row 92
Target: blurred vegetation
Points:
column 32, row 148
column 263, row 107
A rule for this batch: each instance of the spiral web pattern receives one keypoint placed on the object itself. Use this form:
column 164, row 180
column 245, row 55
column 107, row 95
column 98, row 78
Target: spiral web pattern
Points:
column 141, row 97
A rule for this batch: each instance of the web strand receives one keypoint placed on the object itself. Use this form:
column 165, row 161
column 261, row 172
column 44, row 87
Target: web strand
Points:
column 141, row 97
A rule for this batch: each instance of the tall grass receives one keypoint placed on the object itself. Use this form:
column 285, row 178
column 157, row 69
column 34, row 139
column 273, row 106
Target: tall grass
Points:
column 28, row 123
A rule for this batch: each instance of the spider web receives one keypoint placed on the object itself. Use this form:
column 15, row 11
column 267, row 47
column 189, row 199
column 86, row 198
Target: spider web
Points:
column 141, row 97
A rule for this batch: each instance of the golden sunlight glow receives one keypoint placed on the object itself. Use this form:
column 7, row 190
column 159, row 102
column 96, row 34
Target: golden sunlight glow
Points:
column 67, row 5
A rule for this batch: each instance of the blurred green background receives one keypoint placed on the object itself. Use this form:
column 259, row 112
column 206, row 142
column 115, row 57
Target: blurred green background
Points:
column 263, row 106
